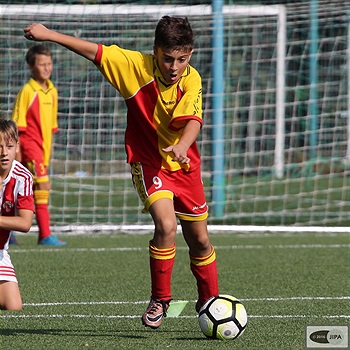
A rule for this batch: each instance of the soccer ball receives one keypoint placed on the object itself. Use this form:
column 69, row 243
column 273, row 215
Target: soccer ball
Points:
column 222, row 317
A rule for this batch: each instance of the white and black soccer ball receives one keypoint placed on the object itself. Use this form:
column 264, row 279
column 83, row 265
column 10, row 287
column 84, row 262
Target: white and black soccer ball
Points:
column 223, row 317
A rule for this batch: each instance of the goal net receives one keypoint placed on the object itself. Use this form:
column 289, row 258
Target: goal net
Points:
column 286, row 142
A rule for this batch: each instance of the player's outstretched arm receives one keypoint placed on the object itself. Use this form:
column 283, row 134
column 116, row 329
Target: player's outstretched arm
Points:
column 38, row 32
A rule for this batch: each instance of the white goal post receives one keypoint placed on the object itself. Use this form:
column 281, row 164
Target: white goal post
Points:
column 279, row 11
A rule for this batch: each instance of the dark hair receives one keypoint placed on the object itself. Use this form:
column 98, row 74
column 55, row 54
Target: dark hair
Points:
column 9, row 129
column 174, row 33
column 37, row 50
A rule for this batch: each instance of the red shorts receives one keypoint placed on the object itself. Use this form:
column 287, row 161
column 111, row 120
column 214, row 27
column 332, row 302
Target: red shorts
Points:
column 184, row 188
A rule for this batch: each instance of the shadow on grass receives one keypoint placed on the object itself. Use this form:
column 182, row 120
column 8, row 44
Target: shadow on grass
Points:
column 92, row 333
column 65, row 332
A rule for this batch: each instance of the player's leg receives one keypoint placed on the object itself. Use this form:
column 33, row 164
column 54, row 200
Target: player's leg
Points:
column 42, row 188
column 10, row 296
column 162, row 248
column 192, row 210
column 162, row 251
column 165, row 224
column 202, row 259
column 152, row 188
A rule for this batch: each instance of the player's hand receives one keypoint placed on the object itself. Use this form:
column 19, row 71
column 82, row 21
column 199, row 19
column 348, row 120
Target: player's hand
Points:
column 36, row 32
column 180, row 153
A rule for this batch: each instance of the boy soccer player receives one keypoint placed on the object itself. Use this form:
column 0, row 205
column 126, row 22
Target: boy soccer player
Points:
column 163, row 94
column 35, row 113
column 17, row 210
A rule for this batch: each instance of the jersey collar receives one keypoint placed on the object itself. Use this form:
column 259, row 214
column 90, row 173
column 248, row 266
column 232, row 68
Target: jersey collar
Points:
column 37, row 87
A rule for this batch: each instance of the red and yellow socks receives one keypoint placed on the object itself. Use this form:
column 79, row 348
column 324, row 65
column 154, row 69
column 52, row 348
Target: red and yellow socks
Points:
column 41, row 200
column 203, row 268
column 205, row 271
column 161, row 266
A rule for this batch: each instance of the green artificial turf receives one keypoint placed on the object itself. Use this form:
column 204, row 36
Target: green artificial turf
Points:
column 91, row 293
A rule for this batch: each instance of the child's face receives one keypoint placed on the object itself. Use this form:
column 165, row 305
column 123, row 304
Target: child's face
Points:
column 172, row 63
column 8, row 151
column 42, row 68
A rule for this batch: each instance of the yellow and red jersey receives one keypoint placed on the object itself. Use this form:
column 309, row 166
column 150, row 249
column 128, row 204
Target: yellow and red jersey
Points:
column 35, row 113
column 157, row 112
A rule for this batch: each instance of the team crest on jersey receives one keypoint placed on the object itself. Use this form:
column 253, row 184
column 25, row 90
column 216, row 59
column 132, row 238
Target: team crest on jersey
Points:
column 7, row 206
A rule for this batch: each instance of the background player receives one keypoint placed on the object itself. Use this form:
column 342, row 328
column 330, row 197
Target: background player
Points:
column 17, row 210
column 35, row 113
column 163, row 94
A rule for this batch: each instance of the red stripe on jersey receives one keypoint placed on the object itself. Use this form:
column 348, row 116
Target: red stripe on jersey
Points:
column 141, row 136
column 33, row 119
column 32, row 136
column 178, row 123
column 26, row 175
column 179, row 93
column 98, row 56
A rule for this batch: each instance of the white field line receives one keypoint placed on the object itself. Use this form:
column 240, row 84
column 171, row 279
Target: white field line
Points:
column 268, row 299
column 100, row 229
column 273, row 299
column 192, row 301
column 193, row 316
column 231, row 247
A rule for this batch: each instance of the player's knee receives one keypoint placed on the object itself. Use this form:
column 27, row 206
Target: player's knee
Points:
column 166, row 227
column 15, row 307
column 12, row 305
column 204, row 246
column 199, row 246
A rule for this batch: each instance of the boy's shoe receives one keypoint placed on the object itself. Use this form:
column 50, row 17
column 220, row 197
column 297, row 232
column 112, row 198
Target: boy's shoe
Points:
column 155, row 312
column 13, row 239
column 52, row 241
column 198, row 306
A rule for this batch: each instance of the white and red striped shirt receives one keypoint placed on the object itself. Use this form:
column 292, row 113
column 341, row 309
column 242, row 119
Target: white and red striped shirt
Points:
column 16, row 193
